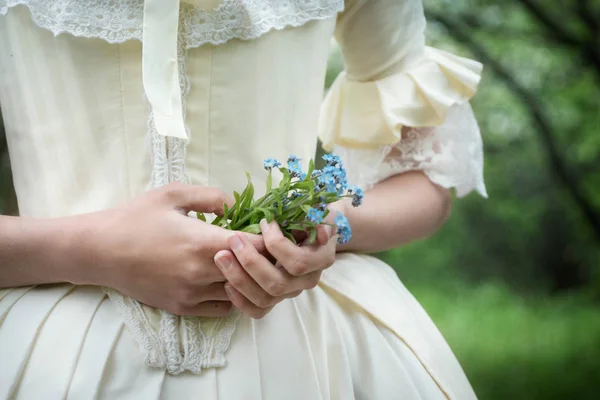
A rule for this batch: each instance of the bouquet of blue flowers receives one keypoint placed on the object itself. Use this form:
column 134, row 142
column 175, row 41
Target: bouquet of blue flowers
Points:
column 298, row 203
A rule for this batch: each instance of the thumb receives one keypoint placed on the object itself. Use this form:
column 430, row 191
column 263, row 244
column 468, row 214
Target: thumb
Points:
column 196, row 198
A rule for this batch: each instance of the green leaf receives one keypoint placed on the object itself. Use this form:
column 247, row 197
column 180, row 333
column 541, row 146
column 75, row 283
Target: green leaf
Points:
column 306, row 185
column 267, row 213
column 312, row 236
column 225, row 211
column 244, row 200
column 269, row 181
column 290, row 236
column 297, row 227
column 236, row 207
column 311, row 168
column 249, row 198
column 254, row 228
column 285, row 182
column 201, row 216
column 279, row 201
column 305, row 208
column 236, row 196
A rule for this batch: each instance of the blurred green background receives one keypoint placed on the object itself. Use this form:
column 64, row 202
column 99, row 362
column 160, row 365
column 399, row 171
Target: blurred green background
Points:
column 513, row 282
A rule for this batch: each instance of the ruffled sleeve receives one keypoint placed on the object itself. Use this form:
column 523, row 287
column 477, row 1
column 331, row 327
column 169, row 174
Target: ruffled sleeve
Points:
column 401, row 105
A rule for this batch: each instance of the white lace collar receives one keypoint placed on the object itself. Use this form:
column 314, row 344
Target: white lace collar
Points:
column 117, row 21
column 157, row 24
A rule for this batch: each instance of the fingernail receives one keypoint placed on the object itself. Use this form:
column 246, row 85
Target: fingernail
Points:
column 328, row 230
column 236, row 243
column 264, row 225
column 229, row 291
column 223, row 262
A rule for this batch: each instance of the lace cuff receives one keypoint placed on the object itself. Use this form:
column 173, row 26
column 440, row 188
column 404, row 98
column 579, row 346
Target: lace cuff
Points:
column 363, row 123
column 451, row 155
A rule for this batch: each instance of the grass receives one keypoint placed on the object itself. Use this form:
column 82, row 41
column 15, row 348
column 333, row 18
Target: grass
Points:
column 510, row 346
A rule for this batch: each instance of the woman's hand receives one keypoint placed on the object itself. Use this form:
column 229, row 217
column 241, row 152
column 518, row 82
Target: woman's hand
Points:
column 149, row 249
column 255, row 285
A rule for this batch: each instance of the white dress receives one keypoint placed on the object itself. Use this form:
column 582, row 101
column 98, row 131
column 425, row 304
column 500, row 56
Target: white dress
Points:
column 104, row 99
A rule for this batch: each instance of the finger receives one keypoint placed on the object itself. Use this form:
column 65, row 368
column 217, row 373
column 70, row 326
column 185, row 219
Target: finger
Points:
column 208, row 309
column 293, row 294
column 196, row 198
column 238, row 278
column 213, row 292
column 245, row 305
column 212, row 238
column 297, row 260
column 324, row 233
column 222, row 235
column 200, row 272
column 274, row 281
column 257, row 241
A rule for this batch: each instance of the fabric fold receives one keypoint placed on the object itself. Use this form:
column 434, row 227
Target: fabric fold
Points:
column 18, row 335
column 368, row 114
column 396, row 309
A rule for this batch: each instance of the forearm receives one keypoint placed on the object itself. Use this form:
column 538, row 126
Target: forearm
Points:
column 397, row 211
column 37, row 251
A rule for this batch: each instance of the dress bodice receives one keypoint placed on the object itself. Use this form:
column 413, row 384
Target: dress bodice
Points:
column 77, row 120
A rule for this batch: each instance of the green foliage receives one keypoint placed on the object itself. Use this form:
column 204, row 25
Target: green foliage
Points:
column 519, row 348
column 511, row 346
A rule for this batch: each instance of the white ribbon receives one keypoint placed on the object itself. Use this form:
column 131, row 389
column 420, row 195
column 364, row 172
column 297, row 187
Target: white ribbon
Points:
column 159, row 66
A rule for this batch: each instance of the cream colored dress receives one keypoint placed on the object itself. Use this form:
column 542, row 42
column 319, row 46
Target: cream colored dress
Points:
column 104, row 99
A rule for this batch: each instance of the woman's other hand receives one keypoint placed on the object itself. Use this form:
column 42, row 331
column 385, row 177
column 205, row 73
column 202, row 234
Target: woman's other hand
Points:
column 255, row 285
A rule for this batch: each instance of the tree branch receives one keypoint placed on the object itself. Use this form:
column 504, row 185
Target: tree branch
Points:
column 546, row 20
column 473, row 21
column 540, row 119
column 3, row 144
column 586, row 13
column 587, row 48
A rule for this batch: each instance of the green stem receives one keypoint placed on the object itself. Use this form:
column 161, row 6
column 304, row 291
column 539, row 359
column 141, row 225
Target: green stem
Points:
column 294, row 207
column 258, row 203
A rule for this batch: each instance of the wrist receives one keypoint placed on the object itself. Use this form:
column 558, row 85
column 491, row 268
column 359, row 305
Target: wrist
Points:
column 78, row 250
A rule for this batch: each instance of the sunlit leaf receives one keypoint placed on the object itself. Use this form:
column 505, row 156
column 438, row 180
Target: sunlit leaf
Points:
column 254, row 228
column 312, row 236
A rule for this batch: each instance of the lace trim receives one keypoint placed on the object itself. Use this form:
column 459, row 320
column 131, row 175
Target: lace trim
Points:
column 118, row 21
column 249, row 19
column 112, row 21
column 139, row 326
column 181, row 343
column 451, row 155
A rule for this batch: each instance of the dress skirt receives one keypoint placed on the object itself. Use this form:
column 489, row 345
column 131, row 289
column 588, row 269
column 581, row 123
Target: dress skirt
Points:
column 358, row 335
